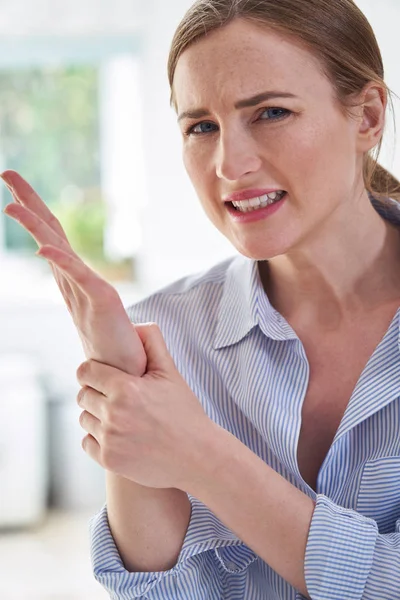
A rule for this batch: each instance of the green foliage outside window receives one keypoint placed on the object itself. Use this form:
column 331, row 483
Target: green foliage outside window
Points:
column 49, row 132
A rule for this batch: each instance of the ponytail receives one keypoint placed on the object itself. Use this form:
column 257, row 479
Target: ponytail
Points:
column 379, row 181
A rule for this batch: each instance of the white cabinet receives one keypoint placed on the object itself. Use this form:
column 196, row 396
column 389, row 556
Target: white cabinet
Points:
column 23, row 442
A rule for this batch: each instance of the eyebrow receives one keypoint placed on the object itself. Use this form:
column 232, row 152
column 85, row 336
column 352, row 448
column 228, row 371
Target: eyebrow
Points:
column 248, row 102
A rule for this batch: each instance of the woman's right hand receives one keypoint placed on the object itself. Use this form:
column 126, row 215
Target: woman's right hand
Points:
column 106, row 332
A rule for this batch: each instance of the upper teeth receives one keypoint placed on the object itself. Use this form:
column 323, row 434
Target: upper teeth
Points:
column 260, row 201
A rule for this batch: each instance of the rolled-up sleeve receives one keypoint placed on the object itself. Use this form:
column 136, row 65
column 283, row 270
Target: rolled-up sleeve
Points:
column 347, row 558
column 209, row 548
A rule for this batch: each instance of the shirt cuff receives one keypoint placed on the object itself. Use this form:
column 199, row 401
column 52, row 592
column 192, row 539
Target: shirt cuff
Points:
column 205, row 532
column 339, row 553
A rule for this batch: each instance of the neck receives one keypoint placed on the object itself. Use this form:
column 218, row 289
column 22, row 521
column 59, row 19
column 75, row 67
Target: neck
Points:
column 349, row 268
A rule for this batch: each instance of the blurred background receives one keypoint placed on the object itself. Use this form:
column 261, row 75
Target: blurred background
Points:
column 85, row 117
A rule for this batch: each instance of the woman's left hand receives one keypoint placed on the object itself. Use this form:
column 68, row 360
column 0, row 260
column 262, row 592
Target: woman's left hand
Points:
column 150, row 429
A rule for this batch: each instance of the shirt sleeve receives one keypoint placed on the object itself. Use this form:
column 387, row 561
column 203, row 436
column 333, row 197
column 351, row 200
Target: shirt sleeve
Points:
column 347, row 557
column 210, row 553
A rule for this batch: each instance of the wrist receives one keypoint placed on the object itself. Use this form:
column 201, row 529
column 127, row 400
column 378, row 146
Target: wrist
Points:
column 216, row 451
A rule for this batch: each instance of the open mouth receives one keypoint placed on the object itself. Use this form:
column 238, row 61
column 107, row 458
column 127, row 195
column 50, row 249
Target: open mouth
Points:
column 258, row 203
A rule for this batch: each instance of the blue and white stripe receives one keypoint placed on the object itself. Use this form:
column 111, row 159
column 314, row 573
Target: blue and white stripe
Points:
column 250, row 372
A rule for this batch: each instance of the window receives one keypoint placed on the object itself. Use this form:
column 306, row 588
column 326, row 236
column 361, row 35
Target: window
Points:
column 70, row 124
column 49, row 132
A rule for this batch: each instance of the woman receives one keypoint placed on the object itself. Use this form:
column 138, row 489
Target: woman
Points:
column 274, row 473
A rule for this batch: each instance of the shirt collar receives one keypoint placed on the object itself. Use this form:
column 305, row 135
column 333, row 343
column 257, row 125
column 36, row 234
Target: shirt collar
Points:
column 244, row 303
column 235, row 316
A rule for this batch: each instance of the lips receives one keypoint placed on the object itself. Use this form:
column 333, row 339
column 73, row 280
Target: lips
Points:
column 258, row 214
column 250, row 194
column 257, row 203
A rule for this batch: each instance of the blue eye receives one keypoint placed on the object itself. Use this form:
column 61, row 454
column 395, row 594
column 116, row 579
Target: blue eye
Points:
column 274, row 114
column 207, row 127
column 201, row 128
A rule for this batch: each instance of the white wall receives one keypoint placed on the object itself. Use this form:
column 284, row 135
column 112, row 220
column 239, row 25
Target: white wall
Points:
column 178, row 238
column 384, row 17
column 71, row 17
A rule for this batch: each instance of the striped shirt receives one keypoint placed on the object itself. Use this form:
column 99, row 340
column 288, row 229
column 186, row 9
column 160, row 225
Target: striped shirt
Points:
column 249, row 370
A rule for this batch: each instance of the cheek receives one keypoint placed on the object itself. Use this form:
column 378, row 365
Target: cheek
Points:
column 201, row 171
column 320, row 153
column 197, row 165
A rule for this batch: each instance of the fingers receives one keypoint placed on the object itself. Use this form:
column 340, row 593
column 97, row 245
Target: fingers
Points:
column 31, row 212
column 58, row 250
column 90, row 424
column 25, row 195
column 104, row 378
column 41, row 232
column 93, row 286
column 92, row 448
column 95, row 375
column 92, row 401
column 90, row 442
column 158, row 356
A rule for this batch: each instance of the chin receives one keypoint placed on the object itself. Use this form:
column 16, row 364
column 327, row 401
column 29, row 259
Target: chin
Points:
column 262, row 251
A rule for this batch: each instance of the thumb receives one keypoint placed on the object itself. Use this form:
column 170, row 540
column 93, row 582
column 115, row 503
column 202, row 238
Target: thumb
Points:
column 158, row 356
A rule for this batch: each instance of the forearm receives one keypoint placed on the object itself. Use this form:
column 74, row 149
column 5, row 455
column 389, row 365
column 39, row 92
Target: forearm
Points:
column 264, row 510
column 148, row 525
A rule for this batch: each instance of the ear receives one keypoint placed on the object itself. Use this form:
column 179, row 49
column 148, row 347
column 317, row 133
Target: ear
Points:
column 372, row 117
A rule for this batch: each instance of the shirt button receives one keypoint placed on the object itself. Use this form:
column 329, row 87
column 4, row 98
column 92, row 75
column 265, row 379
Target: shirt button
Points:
column 231, row 566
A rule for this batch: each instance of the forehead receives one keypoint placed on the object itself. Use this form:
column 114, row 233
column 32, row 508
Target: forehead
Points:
column 242, row 59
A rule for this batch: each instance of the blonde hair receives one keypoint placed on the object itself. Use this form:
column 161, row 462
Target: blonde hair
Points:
column 337, row 33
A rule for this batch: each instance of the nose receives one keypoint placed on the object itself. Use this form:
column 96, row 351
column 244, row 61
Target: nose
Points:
column 237, row 156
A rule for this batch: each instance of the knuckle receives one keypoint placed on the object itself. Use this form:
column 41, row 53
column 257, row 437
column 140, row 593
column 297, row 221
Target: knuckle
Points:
column 117, row 418
column 128, row 390
column 80, row 371
column 83, row 370
column 125, row 390
column 80, row 395
column 109, row 436
column 111, row 420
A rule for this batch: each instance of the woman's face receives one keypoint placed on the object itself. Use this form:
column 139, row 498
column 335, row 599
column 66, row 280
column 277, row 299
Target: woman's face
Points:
column 257, row 116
